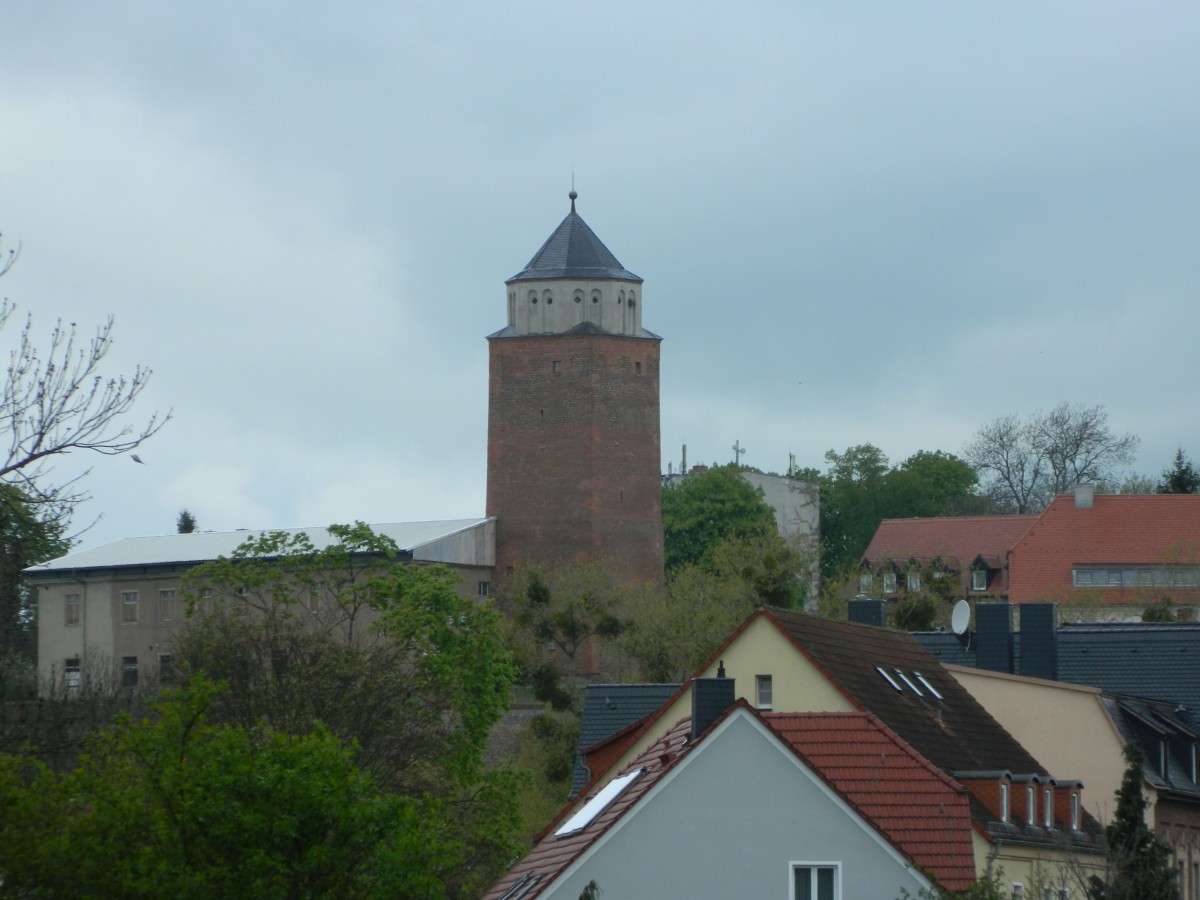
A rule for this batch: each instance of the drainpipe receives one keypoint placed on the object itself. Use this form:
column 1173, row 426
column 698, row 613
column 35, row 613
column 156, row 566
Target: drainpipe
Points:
column 991, row 860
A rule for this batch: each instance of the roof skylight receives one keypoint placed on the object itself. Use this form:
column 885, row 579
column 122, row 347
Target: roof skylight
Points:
column 599, row 803
column 889, row 679
column 916, row 690
column 929, row 687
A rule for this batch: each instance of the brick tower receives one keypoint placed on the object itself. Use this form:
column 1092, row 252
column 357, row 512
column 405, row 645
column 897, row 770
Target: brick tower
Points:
column 573, row 433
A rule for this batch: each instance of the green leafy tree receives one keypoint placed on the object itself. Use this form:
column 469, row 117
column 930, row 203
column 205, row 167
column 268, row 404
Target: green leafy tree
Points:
column 1138, row 863
column 563, row 620
column 1180, row 477
column 860, row 489
column 686, row 620
column 705, row 509
column 177, row 805
column 26, row 538
column 385, row 656
column 186, row 523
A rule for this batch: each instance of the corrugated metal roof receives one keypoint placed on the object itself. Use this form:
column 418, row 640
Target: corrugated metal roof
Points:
column 201, row 546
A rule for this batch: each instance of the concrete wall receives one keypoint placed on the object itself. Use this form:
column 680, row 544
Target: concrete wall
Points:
column 558, row 305
column 1063, row 725
column 102, row 640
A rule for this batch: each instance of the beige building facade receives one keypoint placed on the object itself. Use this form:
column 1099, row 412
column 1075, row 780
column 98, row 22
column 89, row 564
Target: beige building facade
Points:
column 108, row 614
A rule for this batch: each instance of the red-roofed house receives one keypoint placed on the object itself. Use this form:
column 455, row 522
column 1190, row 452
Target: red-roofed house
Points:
column 760, row 805
column 781, row 661
column 1127, row 549
column 905, row 554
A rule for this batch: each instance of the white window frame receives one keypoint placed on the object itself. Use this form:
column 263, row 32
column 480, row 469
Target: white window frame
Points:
column 129, row 607
column 913, row 581
column 1048, row 803
column 979, row 579
column 168, row 605
column 795, row 866
column 866, row 582
column 1004, row 802
column 73, row 610
column 73, row 671
column 889, row 582
column 764, row 691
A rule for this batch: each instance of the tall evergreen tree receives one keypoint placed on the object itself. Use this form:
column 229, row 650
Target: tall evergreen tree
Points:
column 1180, row 477
column 1139, row 864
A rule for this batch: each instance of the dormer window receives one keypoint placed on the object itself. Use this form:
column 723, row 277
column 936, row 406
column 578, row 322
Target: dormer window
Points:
column 1075, row 811
column 889, row 582
column 865, row 582
column 979, row 580
column 1003, row 802
column 1031, row 804
column 914, row 581
column 1048, row 811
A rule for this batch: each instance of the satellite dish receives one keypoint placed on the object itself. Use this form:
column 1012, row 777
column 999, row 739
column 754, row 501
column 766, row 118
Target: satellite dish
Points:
column 960, row 618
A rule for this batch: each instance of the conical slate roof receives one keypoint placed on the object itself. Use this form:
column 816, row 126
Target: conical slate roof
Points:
column 573, row 251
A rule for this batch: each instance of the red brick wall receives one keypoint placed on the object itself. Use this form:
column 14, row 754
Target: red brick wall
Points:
column 573, row 454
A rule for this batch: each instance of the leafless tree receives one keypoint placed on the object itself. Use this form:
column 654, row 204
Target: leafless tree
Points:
column 55, row 400
column 1023, row 464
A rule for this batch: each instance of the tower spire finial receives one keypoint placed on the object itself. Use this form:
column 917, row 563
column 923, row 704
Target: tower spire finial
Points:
column 572, row 195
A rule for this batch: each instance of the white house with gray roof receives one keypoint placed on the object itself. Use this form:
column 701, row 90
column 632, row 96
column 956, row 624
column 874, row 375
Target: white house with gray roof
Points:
column 117, row 606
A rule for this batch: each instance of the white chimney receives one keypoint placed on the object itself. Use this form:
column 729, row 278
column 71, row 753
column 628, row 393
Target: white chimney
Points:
column 1085, row 496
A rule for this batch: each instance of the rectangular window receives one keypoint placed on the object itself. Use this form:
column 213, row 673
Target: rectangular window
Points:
column 168, row 606
column 762, row 692
column 1075, row 812
column 865, row 582
column 71, row 671
column 979, row 580
column 558, row 366
column 73, row 609
column 889, row 582
column 637, row 368
column 485, row 589
column 815, row 882
column 914, row 581
column 129, row 607
column 1031, row 804
column 1048, row 802
column 167, row 672
column 1003, row 802
column 129, row 671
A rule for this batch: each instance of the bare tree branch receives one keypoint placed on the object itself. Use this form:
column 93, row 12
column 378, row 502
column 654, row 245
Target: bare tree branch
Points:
column 1025, row 464
column 55, row 401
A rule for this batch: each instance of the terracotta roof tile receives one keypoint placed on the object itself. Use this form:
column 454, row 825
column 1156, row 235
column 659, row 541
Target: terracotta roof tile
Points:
column 1133, row 529
column 951, row 538
column 924, row 813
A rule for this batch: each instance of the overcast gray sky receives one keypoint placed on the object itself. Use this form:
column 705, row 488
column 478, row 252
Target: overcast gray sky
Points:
column 869, row 222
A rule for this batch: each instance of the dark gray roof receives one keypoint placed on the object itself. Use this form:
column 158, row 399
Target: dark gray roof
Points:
column 1157, row 661
column 573, row 251
column 607, row 708
column 1165, row 736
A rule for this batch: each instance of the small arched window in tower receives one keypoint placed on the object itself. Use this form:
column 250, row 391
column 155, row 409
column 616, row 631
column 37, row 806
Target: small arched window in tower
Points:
column 595, row 296
column 547, row 296
column 533, row 296
column 632, row 298
column 579, row 296
column 631, row 303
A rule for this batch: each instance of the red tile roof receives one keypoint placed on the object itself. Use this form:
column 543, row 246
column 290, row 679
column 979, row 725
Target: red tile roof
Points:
column 1133, row 529
column 923, row 813
column 955, row 539
column 553, row 855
